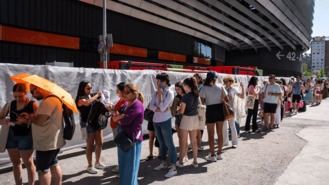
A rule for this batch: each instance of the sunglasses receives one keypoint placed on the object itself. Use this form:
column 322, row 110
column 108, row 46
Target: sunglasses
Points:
column 33, row 90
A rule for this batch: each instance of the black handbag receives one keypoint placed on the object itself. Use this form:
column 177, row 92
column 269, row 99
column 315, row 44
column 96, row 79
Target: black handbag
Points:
column 148, row 115
column 123, row 141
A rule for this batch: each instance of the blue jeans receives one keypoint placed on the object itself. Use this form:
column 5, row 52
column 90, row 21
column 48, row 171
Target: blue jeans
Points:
column 163, row 133
column 129, row 164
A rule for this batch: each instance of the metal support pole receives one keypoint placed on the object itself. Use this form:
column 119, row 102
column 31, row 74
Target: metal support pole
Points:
column 105, row 54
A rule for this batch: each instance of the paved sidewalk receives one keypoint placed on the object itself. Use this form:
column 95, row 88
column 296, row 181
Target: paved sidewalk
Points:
column 284, row 156
column 311, row 166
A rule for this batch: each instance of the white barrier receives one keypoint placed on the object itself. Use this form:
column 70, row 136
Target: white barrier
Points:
column 69, row 78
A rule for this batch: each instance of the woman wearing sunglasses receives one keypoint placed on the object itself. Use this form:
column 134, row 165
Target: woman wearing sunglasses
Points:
column 84, row 101
column 19, row 141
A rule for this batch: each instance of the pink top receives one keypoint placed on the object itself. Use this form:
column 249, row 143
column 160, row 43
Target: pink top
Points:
column 252, row 90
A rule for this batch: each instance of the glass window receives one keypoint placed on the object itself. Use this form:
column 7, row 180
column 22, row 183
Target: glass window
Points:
column 202, row 50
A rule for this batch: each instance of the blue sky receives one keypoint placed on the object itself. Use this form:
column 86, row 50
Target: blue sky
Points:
column 321, row 18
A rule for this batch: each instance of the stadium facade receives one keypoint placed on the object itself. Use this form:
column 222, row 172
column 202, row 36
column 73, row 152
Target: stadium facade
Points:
column 269, row 34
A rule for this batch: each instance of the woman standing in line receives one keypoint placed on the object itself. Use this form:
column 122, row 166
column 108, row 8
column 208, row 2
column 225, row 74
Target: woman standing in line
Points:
column 190, row 121
column 117, row 109
column 84, row 101
column 131, row 121
column 213, row 96
column 176, row 110
column 232, row 92
column 253, row 91
column 19, row 141
column 199, row 81
column 308, row 92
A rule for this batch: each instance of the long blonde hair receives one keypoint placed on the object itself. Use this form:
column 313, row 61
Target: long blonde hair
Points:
column 134, row 89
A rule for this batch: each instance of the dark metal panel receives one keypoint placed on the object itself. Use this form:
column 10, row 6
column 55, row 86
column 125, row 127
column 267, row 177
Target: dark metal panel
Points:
column 3, row 12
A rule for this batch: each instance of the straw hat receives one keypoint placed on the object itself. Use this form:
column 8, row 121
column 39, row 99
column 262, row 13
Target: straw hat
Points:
column 228, row 78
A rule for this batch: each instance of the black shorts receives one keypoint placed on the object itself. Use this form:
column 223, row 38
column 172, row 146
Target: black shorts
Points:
column 270, row 107
column 150, row 126
column 214, row 113
column 46, row 159
column 296, row 98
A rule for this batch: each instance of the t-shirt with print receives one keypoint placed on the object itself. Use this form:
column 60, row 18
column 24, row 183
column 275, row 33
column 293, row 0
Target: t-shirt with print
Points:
column 49, row 135
column 275, row 88
column 191, row 101
column 212, row 94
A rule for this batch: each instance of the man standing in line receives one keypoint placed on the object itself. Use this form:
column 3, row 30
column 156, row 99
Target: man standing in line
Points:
column 47, row 133
column 271, row 93
column 296, row 93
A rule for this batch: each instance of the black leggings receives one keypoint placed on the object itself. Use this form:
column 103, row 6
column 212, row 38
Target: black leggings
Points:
column 252, row 113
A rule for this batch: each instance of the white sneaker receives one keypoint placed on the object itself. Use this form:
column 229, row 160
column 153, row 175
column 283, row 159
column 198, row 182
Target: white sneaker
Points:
column 92, row 170
column 195, row 164
column 185, row 160
column 180, row 165
column 172, row 172
column 211, row 158
column 234, row 146
column 163, row 165
column 219, row 157
column 100, row 166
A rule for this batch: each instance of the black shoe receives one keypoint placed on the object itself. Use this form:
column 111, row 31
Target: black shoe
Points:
column 150, row 157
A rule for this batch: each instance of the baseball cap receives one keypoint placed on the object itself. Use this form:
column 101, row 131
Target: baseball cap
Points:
column 211, row 75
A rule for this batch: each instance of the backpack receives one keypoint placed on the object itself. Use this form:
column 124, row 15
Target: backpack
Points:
column 98, row 116
column 68, row 121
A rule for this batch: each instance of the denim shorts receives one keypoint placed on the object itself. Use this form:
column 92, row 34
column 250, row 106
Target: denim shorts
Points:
column 90, row 129
column 46, row 159
column 19, row 142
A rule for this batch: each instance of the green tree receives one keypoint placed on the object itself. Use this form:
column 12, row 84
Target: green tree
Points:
column 321, row 73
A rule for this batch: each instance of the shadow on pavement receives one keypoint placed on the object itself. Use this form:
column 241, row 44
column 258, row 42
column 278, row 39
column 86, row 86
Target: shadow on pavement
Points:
column 146, row 173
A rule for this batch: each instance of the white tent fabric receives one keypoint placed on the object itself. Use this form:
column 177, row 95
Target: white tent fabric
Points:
column 69, row 78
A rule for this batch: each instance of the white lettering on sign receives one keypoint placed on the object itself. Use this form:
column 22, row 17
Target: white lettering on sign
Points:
column 279, row 55
column 290, row 56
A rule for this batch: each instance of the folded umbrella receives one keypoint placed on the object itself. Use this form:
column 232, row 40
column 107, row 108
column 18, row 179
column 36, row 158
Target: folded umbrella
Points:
column 48, row 86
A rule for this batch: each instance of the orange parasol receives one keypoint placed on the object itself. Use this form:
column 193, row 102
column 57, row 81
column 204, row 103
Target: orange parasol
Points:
column 48, row 86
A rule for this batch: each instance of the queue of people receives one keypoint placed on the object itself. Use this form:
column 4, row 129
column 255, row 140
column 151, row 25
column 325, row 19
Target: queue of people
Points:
column 195, row 105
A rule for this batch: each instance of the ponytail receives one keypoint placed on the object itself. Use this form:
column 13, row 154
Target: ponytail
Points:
column 140, row 97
